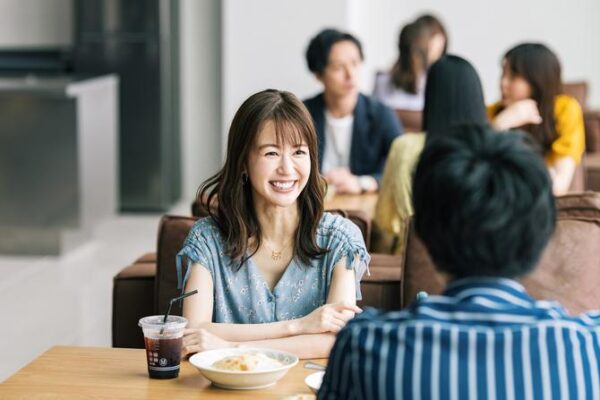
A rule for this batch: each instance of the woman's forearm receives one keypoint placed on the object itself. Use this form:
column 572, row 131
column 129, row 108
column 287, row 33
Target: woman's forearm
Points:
column 250, row 332
column 562, row 174
column 304, row 346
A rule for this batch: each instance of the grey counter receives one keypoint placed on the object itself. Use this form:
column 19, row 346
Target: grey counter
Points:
column 58, row 161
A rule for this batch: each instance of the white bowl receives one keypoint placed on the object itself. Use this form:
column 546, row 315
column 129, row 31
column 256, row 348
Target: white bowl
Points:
column 242, row 379
column 313, row 381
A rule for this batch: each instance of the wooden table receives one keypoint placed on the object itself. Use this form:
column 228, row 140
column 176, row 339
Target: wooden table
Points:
column 365, row 202
column 109, row 373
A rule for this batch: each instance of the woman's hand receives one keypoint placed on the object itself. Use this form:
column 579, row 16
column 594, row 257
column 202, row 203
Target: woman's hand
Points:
column 519, row 113
column 328, row 318
column 196, row 340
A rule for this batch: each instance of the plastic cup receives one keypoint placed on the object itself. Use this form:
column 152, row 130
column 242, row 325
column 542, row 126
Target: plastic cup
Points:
column 163, row 345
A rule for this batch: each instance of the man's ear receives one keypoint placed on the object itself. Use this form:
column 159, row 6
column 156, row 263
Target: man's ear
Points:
column 319, row 76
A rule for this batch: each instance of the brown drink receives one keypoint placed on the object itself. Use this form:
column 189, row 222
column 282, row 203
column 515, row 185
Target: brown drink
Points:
column 164, row 356
column 163, row 345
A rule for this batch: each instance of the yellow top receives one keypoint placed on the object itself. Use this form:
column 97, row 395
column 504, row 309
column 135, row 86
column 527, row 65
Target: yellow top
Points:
column 394, row 205
column 568, row 118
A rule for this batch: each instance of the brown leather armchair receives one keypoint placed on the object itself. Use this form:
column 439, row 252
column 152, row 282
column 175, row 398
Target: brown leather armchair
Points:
column 569, row 270
column 146, row 286
column 592, row 166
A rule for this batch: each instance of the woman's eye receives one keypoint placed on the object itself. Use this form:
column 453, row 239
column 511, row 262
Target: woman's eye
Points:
column 271, row 154
column 301, row 152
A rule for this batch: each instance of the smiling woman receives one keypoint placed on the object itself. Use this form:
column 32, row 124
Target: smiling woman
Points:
column 268, row 256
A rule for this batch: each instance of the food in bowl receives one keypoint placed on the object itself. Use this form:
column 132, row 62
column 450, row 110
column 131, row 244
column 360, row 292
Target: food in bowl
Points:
column 239, row 379
column 251, row 361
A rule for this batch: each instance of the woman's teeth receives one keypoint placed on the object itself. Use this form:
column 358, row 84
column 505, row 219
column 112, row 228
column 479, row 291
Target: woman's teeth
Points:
column 283, row 185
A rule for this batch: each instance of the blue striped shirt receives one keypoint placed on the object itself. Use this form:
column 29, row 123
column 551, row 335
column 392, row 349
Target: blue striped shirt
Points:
column 481, row 339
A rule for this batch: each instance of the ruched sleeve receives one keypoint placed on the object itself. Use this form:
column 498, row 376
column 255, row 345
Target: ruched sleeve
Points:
column 343, row 239
column 198, row 248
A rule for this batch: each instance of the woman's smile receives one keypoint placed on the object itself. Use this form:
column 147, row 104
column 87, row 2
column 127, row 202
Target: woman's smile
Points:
column 283, row 186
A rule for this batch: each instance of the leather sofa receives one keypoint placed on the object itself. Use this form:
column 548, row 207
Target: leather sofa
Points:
column 568, row 271
column 592, row 166
column 146, row 286
column 579, row 90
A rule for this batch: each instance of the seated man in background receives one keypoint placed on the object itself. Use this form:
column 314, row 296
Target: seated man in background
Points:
column 355, row 131
column 485, row 211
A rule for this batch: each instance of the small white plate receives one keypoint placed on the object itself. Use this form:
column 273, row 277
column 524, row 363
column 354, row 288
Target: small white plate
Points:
column 313, row 381
column 242, row 380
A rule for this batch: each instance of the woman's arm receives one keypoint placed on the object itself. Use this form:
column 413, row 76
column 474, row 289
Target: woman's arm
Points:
column 304, row 346
column 519, row 113
column 562, row 173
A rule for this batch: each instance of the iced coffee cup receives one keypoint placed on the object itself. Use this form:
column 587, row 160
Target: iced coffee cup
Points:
column 163, row 344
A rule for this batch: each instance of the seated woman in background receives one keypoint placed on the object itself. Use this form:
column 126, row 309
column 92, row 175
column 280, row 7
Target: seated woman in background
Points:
column 354, row 131
column 268, row 256
column 453, row 96
column 531, row 99
column 421, row 43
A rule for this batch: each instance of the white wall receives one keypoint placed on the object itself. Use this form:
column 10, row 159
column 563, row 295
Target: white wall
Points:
column 264, row 43
column 264, row 40
column 200, row 27
column 36, row 23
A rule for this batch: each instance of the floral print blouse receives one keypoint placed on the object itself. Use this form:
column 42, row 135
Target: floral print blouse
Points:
column 241, row 295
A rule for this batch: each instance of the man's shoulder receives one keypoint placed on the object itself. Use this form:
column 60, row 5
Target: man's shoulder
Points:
column 374, row 110
column 373, row 105
column 315, row 102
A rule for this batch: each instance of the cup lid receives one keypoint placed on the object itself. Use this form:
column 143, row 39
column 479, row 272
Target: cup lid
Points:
column 156, row 321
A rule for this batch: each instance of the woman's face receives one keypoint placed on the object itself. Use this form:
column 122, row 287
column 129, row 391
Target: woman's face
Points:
column 435, row 48
column 513, row 87
column 341, row 74
column 278, row 172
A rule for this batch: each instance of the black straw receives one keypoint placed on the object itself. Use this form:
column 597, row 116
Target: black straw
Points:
column 173, row 300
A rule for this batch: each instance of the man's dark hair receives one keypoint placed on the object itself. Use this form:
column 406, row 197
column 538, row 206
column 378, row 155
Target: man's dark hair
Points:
column 317, row 54
column 483, row 202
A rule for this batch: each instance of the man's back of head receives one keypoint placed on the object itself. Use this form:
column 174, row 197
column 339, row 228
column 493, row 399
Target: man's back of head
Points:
column 483, row 203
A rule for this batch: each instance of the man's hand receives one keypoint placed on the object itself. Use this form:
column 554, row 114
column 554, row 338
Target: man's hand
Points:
column 344, row 181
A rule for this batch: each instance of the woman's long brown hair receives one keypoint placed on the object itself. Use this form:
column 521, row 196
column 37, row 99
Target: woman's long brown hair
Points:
column 412, row 57
column 540, row 67
column 230, row 192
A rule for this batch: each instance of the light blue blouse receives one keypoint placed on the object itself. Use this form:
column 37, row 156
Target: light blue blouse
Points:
column 242, row 296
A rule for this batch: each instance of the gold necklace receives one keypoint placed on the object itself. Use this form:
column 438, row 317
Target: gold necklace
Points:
column 276, row 255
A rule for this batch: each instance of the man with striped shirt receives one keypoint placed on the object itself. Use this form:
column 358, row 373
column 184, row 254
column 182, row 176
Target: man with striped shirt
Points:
column 485, row 211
